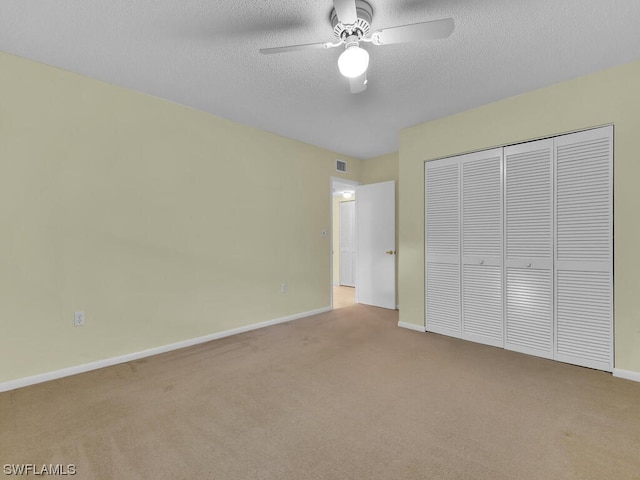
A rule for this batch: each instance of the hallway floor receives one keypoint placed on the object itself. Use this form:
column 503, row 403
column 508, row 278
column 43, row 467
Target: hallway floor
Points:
column 343, row 296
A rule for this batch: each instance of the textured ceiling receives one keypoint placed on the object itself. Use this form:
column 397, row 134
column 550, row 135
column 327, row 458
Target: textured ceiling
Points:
column 204, row 54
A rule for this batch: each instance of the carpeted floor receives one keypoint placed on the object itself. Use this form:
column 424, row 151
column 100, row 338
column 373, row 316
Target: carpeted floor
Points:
column 342, row 395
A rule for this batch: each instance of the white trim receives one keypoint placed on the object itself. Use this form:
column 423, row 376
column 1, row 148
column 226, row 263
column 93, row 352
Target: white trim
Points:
column 412, row 326
column 107, row 362
column 627, row 374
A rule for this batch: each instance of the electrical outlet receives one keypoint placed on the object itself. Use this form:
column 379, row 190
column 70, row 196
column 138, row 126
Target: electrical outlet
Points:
column 78, row 319
column 283, row 288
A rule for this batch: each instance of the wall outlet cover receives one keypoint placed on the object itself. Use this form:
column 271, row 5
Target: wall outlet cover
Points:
column 78, row 319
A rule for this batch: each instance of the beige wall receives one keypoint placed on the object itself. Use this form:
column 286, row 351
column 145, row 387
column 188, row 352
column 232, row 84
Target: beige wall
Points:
column 380, row 169
column 607, row 97
column 161, row 222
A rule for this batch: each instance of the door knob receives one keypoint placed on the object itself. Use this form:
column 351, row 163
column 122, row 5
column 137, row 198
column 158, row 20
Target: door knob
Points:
column 390, row 252
column 481, row 262
column 528, row 265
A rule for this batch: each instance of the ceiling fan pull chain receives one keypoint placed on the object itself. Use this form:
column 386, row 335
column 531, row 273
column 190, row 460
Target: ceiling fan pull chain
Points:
column 332, row 45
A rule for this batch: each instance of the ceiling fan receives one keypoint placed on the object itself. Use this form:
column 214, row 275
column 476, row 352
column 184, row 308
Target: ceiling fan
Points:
column 351, row 22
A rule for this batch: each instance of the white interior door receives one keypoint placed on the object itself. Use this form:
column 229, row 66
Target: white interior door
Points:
column 481, row 226
column 529, row 248
column 348, row 244
column 376, row 244
column 442, row 247
column 584, row 248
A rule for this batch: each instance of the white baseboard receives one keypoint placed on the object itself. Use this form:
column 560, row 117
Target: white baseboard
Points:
column 412, row 326
column 627, row 374
column 65, row 372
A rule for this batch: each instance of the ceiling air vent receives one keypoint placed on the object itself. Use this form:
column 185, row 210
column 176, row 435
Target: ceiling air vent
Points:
column 341, row 166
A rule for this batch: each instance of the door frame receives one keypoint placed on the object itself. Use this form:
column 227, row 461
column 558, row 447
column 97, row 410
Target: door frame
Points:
column 333, row 182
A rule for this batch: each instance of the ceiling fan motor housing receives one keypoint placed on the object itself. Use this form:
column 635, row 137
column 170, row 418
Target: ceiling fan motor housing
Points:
column 362, row 26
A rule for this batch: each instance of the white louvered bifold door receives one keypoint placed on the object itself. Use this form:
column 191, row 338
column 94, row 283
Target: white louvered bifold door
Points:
column 583, row 263
column 529, row 248
column 442, row 246
column 481, row 226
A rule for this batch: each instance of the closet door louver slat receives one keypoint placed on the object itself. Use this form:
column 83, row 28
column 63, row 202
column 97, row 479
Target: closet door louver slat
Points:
column 482, row 304
column 443, row 298
column 529, row 311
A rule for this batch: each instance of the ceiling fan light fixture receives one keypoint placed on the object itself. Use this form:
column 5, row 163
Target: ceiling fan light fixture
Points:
column 354, row 61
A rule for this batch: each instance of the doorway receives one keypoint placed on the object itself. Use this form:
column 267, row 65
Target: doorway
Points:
column 343, row 242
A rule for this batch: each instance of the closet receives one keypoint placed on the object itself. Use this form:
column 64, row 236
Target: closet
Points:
column 518, row 247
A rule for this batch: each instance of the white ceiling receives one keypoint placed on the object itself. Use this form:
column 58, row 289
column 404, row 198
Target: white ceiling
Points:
column 204, row 54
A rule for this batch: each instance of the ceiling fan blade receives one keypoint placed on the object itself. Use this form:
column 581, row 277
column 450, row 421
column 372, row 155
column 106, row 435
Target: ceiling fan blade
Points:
column 415, row 32
column 358, row 84
column 346, row 11
column 293, row 48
